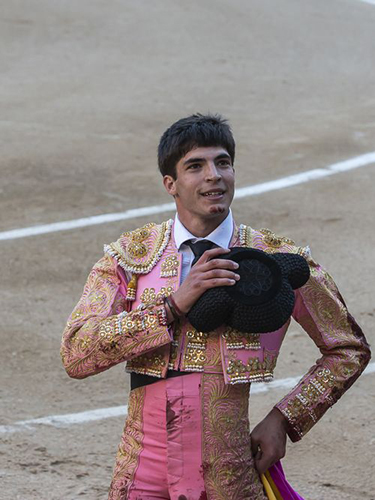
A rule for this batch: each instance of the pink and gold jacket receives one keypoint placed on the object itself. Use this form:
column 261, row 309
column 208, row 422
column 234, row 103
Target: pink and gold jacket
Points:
column 121, row 317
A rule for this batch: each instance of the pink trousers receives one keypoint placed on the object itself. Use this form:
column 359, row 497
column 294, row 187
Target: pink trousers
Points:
column 187, row 438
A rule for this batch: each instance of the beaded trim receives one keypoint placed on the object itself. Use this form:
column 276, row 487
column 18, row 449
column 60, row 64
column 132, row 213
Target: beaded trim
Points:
column 147, row 364
column 244, row 234
column 252, row 371
column 309, row 396
column 116, row 250
column 235, row 339
column 146, row 371
column 169, row 267
column 195, row 357
column 130, row 325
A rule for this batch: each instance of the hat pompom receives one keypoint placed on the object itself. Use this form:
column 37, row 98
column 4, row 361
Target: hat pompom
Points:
column 294, row 267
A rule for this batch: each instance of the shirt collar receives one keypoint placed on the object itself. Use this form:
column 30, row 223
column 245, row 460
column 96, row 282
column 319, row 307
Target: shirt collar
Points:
column 221, row 236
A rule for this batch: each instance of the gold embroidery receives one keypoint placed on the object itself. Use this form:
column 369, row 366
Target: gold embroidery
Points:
column 169, row 267
column 213, row 362
column 128, row 325
column 85, row 342
column 149, row 296
column 245, row 236
column 151, row 322
column 310, row 394
column 151, row 364
column 228, row 465
column 273, row 240
column 136, row 247
column 131, row 291
column 195, row 357
column 238, row 340
column 130, row 448
column 253, row 371
column 129, row 250
column 76, row 315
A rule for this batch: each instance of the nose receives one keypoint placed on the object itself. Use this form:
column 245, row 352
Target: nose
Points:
column 212, row 172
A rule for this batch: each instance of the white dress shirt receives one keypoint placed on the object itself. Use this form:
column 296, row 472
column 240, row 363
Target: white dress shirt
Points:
column 221, row 237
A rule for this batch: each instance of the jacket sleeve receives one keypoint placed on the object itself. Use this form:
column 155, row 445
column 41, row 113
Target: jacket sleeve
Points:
column 321, row 311
column 100, row 332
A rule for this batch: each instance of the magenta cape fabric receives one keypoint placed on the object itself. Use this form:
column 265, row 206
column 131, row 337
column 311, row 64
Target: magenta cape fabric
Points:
column 278, row 477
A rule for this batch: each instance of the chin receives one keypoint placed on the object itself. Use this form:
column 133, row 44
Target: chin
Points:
column 218, row 210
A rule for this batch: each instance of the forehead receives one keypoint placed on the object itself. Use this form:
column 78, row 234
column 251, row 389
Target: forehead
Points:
column 207, row 153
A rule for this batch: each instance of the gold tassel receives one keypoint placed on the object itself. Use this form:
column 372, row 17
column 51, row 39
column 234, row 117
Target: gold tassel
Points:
column 132, row 288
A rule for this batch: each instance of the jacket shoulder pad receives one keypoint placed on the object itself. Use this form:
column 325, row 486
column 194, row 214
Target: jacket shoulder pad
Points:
column 266, row 240
column 138, row 251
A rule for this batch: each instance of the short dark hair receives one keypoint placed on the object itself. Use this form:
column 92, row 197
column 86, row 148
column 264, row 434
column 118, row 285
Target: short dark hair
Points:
column 193, row 132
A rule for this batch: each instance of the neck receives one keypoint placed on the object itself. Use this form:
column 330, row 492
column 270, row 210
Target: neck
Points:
column 201, row 228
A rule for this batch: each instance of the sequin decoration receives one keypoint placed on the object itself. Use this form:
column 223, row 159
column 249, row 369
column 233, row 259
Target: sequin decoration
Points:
column 244, row 236
column 169, row 267
column 235, row 339
column 129, row 325
column 137, row 248
column 252, row 371
column 273, row 240
column 195, row 357
column 310, row 393
column 98, row 336
column 138, row 253
column 148, row 364
column 149, row 295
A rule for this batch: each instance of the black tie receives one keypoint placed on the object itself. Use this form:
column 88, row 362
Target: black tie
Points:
column 199, row 248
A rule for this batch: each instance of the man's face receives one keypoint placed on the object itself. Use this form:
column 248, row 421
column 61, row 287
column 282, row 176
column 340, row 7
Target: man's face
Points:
column 204, row 184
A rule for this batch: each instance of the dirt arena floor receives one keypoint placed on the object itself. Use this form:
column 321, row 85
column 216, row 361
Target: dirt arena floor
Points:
column 87, row 87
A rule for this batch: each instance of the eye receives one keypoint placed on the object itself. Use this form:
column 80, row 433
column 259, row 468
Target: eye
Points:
column 225, row 163
column 194, row 166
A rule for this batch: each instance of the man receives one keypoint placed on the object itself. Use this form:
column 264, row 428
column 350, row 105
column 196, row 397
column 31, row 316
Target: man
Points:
column 187, row 431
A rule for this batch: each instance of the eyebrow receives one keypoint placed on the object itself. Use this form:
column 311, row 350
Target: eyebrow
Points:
column 200, row 160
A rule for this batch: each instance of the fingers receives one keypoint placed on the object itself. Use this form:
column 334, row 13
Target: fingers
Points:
column 216, row 251
column 262, row 465
column 255, row 447
column 265, row 456
column 217, row 264
column 262, row 460
column 214, row 274
column 215, row 282
column 208, row 261
column 211, row 254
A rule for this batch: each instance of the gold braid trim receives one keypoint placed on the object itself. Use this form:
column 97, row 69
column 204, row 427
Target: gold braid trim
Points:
column 140, row 250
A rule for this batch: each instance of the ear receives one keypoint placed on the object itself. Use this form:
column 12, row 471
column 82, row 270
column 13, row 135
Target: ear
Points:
column 170, row 185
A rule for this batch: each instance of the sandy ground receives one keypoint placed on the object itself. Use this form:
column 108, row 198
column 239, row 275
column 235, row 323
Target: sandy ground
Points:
column 86, row 90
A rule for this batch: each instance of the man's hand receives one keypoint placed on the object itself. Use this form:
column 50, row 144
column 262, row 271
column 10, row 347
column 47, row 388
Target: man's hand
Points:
column 208, row 272
column 268, row 440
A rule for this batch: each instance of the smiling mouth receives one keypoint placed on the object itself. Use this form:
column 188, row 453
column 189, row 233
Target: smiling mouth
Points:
column 213, row 194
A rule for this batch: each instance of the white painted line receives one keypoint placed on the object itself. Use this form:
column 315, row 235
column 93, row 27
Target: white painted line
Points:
column 85, row 222
column 290, row 180
column 121, row 411
column 371, row 2
column 67, row 419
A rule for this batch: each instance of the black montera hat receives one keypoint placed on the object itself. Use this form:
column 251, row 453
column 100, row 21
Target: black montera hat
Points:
column 261, row 301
